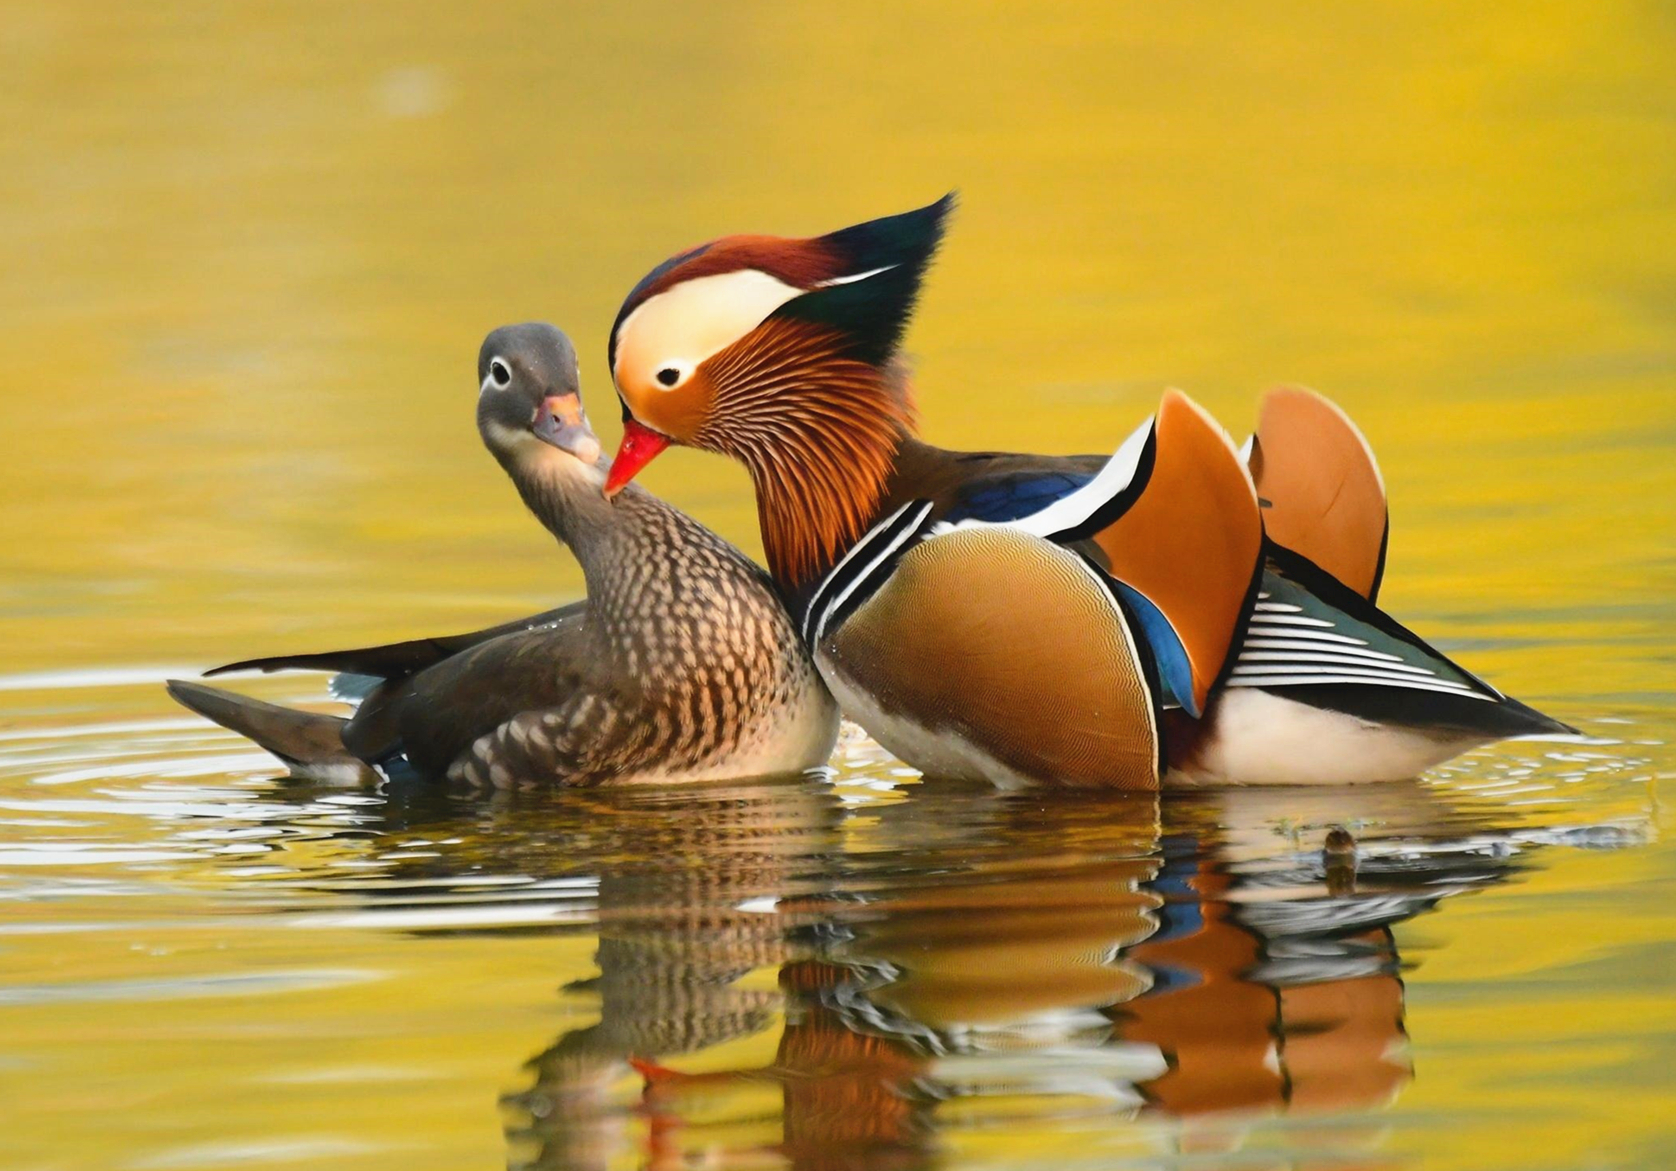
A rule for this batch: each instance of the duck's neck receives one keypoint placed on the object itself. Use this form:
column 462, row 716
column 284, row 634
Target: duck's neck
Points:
column 568, row 498
column 816, row 496
column 819, row 433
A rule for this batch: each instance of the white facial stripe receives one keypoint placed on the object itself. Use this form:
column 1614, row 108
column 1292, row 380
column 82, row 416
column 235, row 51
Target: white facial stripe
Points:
column 850, row 280
column 695, row 319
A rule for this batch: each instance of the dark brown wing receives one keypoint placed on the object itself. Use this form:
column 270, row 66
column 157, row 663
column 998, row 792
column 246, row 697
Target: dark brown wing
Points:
column 435, row 714
column 397, row 660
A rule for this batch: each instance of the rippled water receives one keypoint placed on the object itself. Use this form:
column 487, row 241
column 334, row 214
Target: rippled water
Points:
column 251, row 251
column 206, row 967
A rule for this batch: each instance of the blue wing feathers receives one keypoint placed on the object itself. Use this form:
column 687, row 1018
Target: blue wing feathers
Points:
column 1010, row 498
column 1167, row 652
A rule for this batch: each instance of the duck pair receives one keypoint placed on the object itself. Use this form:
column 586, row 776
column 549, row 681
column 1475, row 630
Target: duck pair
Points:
column 1179, row 612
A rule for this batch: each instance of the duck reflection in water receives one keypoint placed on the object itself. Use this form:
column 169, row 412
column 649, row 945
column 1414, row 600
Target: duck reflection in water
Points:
column 958, row 959
column 712, row 884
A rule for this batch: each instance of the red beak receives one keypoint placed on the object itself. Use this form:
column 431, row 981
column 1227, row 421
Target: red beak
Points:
column 640, row 446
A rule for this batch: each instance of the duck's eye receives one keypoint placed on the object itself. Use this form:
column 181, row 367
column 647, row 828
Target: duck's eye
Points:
column 669, row 376
column 500, row 372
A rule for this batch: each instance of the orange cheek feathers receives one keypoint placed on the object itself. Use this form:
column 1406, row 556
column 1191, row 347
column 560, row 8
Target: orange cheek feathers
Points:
column 675, row 413
column 656, row 418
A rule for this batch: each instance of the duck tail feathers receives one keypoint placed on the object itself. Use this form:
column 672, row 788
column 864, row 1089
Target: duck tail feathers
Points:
column 309, row 743
column 1527, row 721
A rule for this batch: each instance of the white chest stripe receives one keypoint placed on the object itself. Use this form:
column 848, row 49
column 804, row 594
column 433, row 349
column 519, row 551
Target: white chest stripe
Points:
column 820, row 602
column 908, row 533
column 835, row 575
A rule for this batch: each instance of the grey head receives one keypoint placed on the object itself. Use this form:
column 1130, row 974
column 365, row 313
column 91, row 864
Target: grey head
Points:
column 531, row 395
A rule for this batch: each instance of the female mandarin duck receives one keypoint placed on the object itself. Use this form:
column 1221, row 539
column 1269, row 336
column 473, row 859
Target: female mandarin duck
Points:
column 1174, row 609
column 682, row 664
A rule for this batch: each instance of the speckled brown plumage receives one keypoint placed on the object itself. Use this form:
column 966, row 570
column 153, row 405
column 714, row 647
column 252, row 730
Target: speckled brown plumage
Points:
column 682, row 665
column 683, row 660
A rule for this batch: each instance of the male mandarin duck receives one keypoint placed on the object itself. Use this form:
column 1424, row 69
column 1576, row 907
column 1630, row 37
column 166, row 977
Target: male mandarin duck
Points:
column 682, row 664
column 1173, row 610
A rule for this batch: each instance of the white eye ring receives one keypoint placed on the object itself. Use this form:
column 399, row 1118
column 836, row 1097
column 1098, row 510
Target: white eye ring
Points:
column 500, row 373
column 671, row 374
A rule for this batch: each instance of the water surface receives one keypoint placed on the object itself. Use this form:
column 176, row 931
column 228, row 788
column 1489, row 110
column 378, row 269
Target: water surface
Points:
column 251, row 251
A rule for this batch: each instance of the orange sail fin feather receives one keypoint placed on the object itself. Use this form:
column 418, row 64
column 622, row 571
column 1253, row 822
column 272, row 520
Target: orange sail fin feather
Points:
column 1009, row 650
column 1321, row 491
column 1191, row 542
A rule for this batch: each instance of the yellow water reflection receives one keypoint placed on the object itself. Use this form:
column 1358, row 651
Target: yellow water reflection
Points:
column 250, row 253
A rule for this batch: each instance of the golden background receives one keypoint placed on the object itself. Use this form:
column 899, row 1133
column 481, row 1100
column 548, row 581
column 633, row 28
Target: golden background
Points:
column 250, row 251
